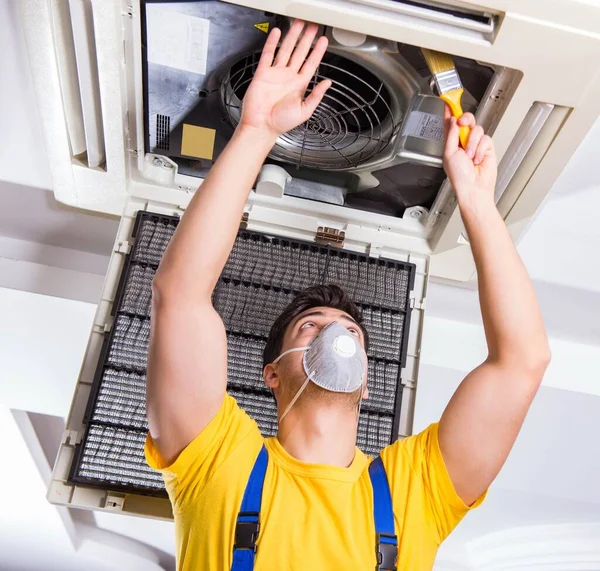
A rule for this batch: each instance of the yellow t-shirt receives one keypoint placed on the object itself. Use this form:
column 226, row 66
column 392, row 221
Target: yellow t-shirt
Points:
column 313, row 517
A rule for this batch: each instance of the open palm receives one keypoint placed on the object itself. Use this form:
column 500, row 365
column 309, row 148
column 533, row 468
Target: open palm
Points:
column 275, row 97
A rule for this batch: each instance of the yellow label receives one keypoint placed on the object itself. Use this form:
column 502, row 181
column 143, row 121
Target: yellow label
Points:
column 263, row 26
column 198, row 142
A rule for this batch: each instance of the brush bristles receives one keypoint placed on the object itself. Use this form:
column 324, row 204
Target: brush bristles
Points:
column 437, row 61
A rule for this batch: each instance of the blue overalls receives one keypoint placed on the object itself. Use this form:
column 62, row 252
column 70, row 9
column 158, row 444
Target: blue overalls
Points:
column 247, row 526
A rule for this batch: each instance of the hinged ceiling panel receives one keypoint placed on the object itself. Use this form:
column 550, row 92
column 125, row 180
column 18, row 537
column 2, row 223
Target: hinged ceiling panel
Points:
column 261, row 277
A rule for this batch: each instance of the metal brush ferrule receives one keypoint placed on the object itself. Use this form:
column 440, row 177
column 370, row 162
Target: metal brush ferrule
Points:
column 447, row 81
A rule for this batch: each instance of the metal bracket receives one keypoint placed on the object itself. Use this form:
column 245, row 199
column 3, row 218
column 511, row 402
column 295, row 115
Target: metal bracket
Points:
column 333, row 236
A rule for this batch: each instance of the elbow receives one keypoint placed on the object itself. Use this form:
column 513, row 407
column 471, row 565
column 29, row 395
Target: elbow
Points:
column 166, row 289
column 172, row 289
column 538, row 359
column 161, row 287
column 542, row 361
column 536, row 364
column 530, row 366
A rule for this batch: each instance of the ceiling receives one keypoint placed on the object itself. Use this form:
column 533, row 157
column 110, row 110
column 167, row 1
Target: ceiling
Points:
column 552, row 474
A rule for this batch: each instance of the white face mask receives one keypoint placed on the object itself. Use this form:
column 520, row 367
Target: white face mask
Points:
column 333, row 360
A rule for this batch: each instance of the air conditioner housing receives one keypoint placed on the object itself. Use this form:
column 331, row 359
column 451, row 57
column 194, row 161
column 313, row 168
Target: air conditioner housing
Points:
column 539, row 68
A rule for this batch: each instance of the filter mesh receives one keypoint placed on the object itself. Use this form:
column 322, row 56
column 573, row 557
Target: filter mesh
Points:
column 115, row 456
column 262, row 275
column 129, row 347
column 121, row 399
column 137, row 296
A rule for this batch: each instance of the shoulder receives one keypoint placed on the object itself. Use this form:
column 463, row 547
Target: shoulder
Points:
column 411, row 451
column 231, row 438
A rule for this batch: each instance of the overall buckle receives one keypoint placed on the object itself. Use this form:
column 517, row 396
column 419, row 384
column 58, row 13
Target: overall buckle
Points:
column 246, row 532
column 387, row 552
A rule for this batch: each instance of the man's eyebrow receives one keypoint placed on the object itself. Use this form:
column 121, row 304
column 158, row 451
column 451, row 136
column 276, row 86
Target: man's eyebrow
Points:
column 310, row 314
column 348, row 318
column 322, row 314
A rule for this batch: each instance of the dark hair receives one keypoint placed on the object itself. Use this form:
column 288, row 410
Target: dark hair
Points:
column 315, row 296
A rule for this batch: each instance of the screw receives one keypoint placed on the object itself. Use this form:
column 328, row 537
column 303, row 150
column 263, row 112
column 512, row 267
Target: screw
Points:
column 157, row 161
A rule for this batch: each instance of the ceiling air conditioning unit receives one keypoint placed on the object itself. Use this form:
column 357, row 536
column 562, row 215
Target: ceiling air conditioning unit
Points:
column 137, row 99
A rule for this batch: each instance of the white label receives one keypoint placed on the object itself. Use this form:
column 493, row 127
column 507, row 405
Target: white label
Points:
column 424, row 126
column 177, row 40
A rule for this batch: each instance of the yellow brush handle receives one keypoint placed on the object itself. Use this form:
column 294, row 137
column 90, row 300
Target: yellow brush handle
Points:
column 452, row 98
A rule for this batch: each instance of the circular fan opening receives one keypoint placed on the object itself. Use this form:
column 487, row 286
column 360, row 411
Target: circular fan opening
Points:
column 352, row 125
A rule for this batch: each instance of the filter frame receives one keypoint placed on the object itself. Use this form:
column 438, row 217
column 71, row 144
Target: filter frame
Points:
column 332, row 256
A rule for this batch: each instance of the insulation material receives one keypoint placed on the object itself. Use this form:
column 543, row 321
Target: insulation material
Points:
column 262, row 275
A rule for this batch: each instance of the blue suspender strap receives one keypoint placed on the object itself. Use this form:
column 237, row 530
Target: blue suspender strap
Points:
column 248, row 525
column 387, row 541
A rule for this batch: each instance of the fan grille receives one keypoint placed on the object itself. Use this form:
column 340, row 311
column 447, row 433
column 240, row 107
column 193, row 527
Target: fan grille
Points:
column 353, row 123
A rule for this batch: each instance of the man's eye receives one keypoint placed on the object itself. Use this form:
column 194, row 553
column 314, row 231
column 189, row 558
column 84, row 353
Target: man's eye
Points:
column 354, row 331
column 307, row 324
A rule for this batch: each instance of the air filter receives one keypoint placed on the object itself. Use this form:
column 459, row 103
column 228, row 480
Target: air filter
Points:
column 262, row 275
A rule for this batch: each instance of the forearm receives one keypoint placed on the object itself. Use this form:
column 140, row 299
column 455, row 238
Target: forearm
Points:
column 511, row 315
column 205, row 235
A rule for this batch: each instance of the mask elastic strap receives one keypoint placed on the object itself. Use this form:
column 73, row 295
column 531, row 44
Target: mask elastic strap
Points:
column 289, row 351
column 360, row 402
column 296, row 397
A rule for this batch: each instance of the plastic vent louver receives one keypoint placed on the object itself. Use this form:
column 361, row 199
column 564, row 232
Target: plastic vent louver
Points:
column 261, row 277
column 163, row 132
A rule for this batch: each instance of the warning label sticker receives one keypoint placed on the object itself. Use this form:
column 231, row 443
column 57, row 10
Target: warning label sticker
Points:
column 424, row 126
column 263, row 26
column 177, row 40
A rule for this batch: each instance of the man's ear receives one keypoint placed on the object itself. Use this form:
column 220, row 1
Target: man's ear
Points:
column 270, row 376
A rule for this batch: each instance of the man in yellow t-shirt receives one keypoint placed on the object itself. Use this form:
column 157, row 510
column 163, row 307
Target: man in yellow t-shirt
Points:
column 316, row 509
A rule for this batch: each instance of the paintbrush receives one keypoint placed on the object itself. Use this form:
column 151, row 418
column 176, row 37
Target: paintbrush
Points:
column 448, row 85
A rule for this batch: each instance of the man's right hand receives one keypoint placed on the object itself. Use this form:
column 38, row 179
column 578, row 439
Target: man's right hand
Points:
column 274, row 101
column 472, row 171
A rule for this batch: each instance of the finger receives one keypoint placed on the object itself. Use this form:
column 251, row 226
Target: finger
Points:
column 484, row 149
column 452, row 139
column 473, row 142
column 315, row 97
column 314, row 59
column 287, row 46
column 467, row 120
column 268, row 52
column 303, row 47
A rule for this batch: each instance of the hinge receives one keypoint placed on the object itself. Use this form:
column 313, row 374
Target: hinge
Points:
column 408, row 383
column 114, row 501
column 102, row 328
column 333, row 236
column 374, row 250
column 72, row 437
column 244, row 221
column 414, row 304
column 123, row 247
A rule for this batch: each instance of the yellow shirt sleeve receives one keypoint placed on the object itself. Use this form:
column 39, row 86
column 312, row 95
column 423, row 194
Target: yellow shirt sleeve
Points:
column 185, row 478
column 421, row 486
